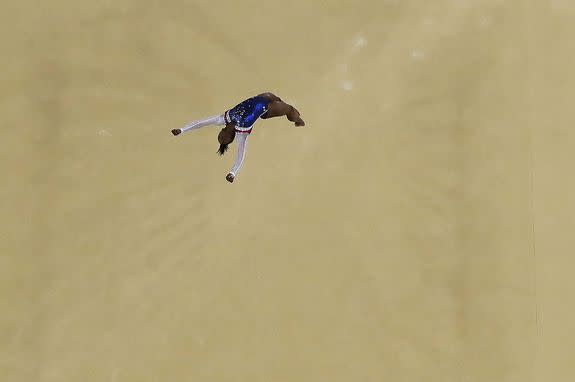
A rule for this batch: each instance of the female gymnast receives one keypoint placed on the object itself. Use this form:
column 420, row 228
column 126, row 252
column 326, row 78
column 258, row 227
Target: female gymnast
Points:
column 239, row 121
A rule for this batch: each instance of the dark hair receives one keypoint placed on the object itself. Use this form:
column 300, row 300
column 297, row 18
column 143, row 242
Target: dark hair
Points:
column 223, row 149
column 225, row 137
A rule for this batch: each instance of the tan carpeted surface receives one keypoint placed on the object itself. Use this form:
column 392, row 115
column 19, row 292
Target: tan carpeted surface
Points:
column 419, row 228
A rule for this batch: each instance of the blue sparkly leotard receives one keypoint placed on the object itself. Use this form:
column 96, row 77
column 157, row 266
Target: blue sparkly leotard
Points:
column 245, row 114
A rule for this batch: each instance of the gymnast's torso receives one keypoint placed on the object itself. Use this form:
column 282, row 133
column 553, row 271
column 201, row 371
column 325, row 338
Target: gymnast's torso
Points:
column 247, row 112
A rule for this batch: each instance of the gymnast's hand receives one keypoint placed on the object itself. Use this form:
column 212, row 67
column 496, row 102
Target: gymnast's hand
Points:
column 230, row 177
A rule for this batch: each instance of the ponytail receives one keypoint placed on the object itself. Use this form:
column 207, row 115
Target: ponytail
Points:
column 225, row 137
column 223, row 149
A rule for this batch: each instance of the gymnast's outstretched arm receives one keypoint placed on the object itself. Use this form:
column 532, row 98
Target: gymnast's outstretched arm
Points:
column 242, row 141
column 217, row 120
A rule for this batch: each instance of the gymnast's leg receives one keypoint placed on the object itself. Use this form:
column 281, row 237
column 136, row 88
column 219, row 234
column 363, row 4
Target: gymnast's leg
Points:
column 280, row 108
